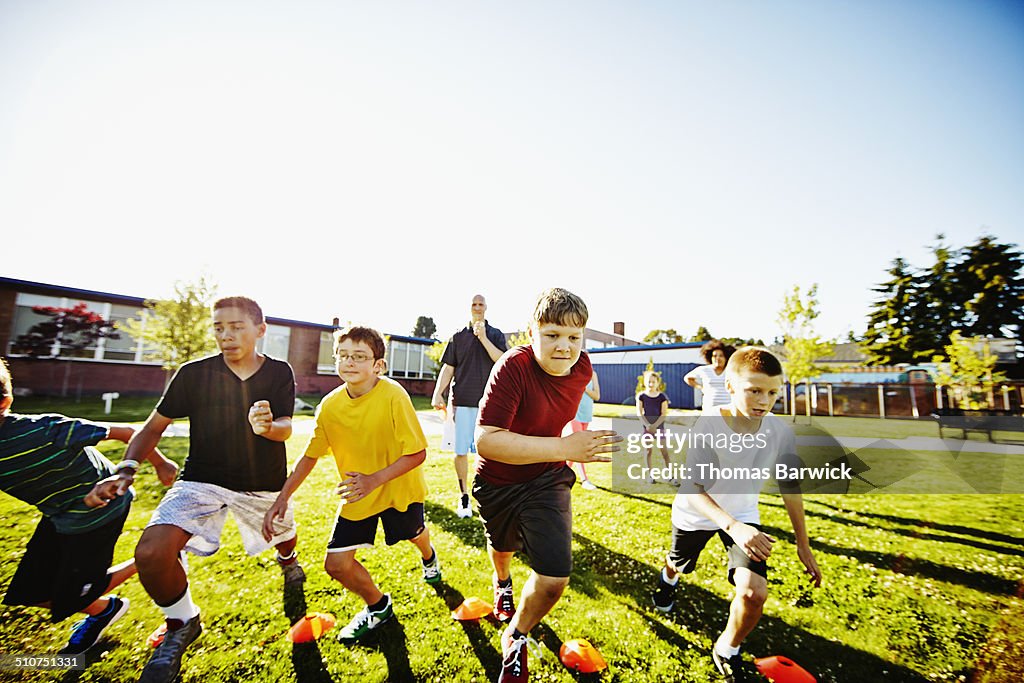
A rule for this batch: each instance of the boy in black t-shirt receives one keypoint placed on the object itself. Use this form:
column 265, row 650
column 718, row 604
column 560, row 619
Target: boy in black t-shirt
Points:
column 239, row 404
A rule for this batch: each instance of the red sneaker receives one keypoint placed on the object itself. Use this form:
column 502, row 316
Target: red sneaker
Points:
column 504, row 601
column 513, row 663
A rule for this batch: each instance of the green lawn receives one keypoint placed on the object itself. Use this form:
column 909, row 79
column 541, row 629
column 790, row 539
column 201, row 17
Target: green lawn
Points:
column 917, row 588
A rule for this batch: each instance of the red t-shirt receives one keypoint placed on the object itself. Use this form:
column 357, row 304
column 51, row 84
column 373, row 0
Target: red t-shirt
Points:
column 523, row 399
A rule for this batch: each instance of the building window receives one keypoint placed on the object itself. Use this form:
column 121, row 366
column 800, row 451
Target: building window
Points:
column 125, row 347
column 409, row 360
column 275, row 341
column 325, row 359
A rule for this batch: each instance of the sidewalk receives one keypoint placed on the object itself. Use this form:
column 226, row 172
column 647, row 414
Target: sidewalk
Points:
column 432, row 425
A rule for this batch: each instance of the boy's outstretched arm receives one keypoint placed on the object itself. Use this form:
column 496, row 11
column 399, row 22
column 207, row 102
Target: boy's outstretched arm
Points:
column 359, row 485
column 795, row 508
column 302, row 469
column 501, row 445
column 166, row 469
column 141, row 444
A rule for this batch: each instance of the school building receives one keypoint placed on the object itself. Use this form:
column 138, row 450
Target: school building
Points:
column 122, row 365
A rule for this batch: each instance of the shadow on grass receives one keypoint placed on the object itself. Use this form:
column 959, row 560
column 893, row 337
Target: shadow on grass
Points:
column 389, row 639
column 93, row 655
column 470, row 531
column 478, row 639
column 700, row 610
column 917, row 533
column 975, row 580
column 306, row 658
column 910, row 521
column 663, row 499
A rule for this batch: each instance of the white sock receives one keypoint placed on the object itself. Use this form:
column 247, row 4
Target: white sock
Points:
column 281, row 559
column 664, row 577
column 182, row 610
column 724, row 650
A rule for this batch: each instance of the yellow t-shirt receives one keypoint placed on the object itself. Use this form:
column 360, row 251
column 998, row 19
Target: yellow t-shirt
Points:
column 367, row 434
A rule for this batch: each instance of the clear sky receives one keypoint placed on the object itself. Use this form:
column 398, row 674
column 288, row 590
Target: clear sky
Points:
column 675, row 163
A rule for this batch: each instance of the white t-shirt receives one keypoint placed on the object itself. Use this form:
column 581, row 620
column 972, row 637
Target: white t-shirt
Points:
column 712, row 387
column 731, row 467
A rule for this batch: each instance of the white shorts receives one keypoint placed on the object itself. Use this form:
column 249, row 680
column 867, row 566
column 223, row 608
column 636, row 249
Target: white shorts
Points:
column 201, row 509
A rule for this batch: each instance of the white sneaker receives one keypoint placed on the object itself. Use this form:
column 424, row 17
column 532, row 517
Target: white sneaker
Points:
column 463, row 511
column 588, row 485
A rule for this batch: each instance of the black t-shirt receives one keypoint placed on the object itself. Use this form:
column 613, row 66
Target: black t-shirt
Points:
column 222, row 447
column 472, row 364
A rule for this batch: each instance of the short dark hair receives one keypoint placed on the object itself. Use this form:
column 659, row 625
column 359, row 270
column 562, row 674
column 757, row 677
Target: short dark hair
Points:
column 244, row 303
column 366, row 335
column 754, row 359
column 5, row 380
column 716, row 345
column 560, row 307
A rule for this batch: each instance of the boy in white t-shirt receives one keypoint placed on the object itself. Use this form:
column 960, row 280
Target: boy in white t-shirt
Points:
column 731, row 455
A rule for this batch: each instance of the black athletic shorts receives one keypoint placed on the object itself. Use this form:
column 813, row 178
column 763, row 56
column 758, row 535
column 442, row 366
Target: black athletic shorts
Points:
column 687, row 546
column 534, row 516
column 67, row 570
column 350, row 534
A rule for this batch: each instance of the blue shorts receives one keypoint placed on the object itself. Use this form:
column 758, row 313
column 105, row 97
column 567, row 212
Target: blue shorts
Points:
column 465, row 428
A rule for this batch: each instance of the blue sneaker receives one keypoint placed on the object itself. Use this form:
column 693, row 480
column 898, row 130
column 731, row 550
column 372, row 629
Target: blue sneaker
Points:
column 88, row 631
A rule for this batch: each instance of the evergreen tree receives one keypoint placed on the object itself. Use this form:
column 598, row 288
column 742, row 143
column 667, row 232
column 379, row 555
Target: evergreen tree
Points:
column 425, row 327
column 890, row 333
column 989, row 280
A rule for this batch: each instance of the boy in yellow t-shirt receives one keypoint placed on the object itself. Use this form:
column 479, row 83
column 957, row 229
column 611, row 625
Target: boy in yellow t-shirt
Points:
column 370, row 427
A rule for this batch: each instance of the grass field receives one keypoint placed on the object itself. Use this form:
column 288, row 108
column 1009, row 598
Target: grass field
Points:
column 917, row 588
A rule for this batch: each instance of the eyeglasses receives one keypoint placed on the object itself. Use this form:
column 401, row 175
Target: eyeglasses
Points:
column 357, row 357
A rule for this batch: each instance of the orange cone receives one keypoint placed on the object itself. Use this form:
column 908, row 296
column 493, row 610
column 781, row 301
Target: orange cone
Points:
column 471, row 609
column 310, row 627
column 157, row 636
column 779, row 669
column 579, row 655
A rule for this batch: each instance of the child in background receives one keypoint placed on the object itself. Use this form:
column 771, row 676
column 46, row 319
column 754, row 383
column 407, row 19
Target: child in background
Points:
column 652, row 409
column 584, row 415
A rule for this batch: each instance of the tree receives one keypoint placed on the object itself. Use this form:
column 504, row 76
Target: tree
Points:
column 67, row 332
column 890, row 334
column 425, row 327
column 970, row 368
column 434, row 353
column 177, row 330
column 663, row 337
column 738, row 342
column 988, row 278
column 978, row 290
column 802, row 346
column 640, row 386
column 702, row 335
column 519, row 339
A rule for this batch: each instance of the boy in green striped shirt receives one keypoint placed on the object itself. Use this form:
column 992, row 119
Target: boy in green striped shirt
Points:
column 48, row 461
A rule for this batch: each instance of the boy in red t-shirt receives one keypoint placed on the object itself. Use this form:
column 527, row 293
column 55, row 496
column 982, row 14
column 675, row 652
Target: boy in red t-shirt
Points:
column 523, row 484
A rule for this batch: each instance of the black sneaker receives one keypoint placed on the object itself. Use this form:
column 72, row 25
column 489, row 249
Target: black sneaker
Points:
column 165, row 662
column 88, row 631
column 734, row 669
column 663, row 596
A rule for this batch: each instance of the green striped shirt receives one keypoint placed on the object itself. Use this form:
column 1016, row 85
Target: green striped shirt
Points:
column 45, row 462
